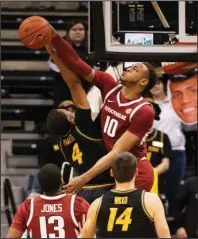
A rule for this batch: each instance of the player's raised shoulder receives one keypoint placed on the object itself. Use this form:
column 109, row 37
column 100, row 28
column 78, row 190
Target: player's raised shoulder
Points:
column 151, row 197
column 80, row 204
column 144, row 113
column 151, row 202
column 103, row 76
column 96, row 203
column 146, row 110
column 148, row 107
column 104, row 81
column 26, row 204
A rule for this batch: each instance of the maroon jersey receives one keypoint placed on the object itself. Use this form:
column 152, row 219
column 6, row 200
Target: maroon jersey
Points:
column 51, row 217
column 119, row 115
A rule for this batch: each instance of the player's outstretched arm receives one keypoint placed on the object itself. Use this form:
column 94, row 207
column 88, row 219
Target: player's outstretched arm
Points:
column 68, row 55
column 70, row 78
column 104, row 81
column 89, row 228
column 155, row 209
column 18, row 226
column 125, row 143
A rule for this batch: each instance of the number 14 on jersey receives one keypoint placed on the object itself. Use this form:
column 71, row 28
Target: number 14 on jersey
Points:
column 124, row 219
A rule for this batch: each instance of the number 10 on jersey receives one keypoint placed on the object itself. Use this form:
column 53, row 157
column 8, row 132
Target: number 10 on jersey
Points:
column 110, row 126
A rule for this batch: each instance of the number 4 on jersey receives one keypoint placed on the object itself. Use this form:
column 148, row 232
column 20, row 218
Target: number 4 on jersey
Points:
column 77, row 154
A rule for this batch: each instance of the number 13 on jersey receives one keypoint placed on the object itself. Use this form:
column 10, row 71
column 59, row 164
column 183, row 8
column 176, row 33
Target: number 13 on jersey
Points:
column 110, row 126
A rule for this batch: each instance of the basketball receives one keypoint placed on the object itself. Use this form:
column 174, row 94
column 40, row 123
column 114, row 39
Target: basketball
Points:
column 35, row 32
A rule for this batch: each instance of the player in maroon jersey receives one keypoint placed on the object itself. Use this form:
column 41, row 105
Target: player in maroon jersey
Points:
column 52, row 215
column 125, row 117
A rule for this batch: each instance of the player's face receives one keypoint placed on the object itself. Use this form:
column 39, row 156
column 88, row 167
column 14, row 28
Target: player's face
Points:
column 77, row 33
column 184, row 99
column 136, row 74
column 158, row 89
column 69, row 114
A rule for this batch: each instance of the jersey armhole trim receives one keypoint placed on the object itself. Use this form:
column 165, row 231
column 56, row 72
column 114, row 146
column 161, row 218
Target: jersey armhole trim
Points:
column 71, row 170
column 136, row 109
column 61, row 149
column 99, row 206
column 63, row 167
column 143, row 206
column 72, row 210
column 153, row 137
column 31, row 212
column 162, row 140
column 87, row 137
column 67, row 133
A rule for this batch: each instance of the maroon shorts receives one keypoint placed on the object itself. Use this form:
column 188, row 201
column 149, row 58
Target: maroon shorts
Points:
column 145, row 176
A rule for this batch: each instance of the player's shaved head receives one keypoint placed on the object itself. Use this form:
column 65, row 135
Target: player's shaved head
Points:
column 57, row 123
column 124, row 167
column 49, row 179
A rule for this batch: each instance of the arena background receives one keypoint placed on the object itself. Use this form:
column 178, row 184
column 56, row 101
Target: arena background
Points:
column 26, row 81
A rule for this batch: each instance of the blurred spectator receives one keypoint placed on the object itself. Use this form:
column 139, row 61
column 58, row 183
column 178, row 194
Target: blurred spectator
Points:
column 187, row 209
column 76, row 35
column 170, row 124
column 159, row 151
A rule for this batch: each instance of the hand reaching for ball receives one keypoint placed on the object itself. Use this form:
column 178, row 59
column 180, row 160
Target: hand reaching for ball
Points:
column 50, row 49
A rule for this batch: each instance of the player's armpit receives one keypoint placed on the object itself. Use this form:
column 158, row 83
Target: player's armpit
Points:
column 155, row 209
column 104, row 81
column 70, row 78
column 89, row 228
column 14, row 233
